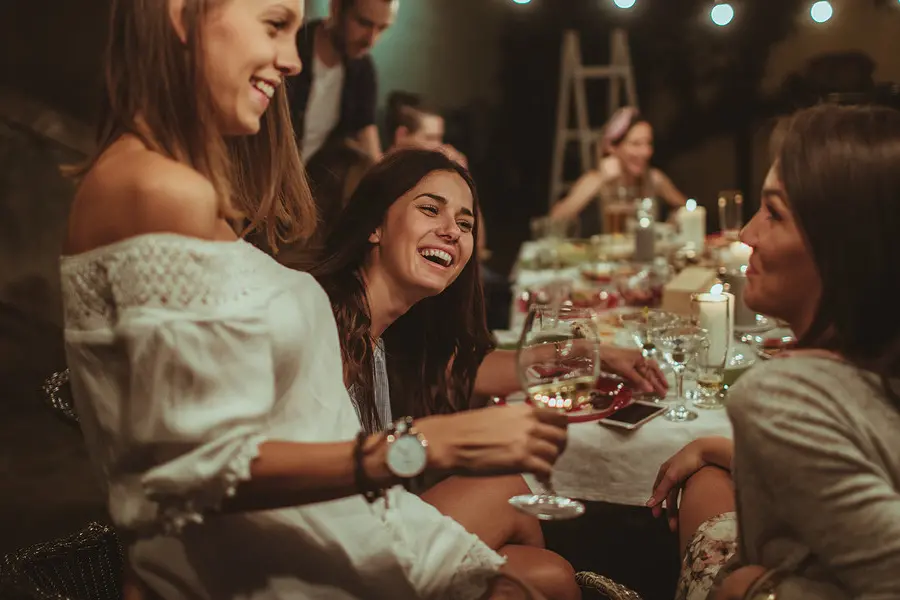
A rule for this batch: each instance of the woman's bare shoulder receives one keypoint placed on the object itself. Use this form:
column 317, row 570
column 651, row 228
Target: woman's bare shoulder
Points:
column 131, row 191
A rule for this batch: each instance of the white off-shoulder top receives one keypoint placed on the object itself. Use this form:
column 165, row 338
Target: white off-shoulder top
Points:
column 184, row 356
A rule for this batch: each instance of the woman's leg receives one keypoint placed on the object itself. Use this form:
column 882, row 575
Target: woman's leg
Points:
column 708, row 493
column 707, row 530
column 480, row 504
column 548, row 572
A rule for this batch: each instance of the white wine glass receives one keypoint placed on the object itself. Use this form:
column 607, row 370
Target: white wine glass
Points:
column 558, row 363
column 679, row 345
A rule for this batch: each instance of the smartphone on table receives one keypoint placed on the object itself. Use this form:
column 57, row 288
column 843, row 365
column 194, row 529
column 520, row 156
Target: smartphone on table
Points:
column 634, row 415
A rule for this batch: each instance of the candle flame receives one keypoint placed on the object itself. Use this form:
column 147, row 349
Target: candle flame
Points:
column 691, row 205
column 717, row 289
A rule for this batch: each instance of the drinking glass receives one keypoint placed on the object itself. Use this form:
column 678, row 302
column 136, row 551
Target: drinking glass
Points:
column 641, row 324
column 713, row 312
column 731, row 213
column 558, row 363
column 679, row 345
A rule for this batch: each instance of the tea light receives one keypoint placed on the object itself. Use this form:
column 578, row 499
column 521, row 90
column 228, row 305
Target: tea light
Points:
column 645, row 240
column 713, row 312
column 692, row 222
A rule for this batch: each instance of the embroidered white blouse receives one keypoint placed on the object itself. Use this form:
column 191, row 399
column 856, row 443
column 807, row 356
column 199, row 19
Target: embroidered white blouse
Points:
column 185, row 355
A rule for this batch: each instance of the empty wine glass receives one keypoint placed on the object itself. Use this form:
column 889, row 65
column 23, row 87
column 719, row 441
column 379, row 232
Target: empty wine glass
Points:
column 641, row 324
column 679, row 345
column 558, row 362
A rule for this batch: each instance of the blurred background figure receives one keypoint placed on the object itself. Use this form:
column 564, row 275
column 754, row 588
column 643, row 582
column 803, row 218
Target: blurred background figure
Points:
column 337, row 93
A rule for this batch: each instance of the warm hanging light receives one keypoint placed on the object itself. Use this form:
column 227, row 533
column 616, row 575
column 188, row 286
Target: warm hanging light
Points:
column 821, row 11
column 722, row 14
column 624, row 3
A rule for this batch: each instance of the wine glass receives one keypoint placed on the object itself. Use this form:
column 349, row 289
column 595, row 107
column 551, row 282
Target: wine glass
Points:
column 641, row 324
column 679, row 345
column 558, row 363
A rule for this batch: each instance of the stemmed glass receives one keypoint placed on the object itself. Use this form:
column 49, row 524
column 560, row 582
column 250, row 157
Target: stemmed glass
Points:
column 679, row 345
column 641, row 324
column 558, row 363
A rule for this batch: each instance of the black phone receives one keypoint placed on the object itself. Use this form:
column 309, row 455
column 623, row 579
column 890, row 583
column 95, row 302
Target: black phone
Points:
column 634, row 415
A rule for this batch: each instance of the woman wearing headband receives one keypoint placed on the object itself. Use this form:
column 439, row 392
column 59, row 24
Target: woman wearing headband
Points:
column 624, row 171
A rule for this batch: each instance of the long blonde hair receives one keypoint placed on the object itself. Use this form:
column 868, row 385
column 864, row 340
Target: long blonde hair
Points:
column 156, row 89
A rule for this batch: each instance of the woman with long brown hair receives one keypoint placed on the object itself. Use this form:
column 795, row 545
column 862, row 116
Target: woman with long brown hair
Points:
column 407, row 299
column 814, row 463
column 398, row 272
column 207, row 377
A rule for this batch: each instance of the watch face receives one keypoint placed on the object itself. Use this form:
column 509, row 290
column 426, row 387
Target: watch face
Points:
column 407, row 457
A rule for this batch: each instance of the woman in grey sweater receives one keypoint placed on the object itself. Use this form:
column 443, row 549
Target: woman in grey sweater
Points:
column 816, row 454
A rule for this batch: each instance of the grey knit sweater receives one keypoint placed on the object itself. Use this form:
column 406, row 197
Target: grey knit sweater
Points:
column 817, row 478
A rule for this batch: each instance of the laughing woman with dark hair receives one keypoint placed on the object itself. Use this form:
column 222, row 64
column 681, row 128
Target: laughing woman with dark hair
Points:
column 404, row 292
column 815, row 460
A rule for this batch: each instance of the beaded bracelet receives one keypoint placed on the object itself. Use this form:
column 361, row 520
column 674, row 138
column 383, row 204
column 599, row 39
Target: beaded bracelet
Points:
column 369, row 490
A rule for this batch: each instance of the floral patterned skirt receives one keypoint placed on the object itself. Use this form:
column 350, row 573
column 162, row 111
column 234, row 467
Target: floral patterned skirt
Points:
column 713, row 545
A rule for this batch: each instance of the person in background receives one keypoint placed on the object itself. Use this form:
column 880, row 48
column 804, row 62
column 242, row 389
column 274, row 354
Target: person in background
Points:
column 623, row 173
column 335, row 95
column 334, row 172
column 814, row 462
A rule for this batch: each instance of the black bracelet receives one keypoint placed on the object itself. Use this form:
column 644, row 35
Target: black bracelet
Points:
column 364, row 485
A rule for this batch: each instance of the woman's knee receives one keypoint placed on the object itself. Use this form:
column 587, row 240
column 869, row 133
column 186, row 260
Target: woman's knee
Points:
column 708, row 493
column 709, row 484
column 547, row 571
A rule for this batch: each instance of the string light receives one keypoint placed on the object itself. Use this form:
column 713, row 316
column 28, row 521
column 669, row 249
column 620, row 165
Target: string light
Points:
column 722, row 14
column 624, row 3
column 821, row 11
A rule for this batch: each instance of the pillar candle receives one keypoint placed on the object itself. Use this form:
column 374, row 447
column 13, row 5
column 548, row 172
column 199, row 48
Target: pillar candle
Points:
column 712, row 311
column 737, row 281
column 644, row 241
column 692, row 222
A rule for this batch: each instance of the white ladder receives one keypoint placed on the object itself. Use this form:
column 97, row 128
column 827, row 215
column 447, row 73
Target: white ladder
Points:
column 573, row 74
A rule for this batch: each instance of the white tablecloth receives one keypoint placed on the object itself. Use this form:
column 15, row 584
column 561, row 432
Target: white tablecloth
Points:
column 608, row 464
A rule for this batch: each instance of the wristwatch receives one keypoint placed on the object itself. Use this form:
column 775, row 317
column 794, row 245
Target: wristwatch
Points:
column 407, row 453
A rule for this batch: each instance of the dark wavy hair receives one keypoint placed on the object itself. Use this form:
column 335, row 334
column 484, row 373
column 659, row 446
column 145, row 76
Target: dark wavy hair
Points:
column 840, row 166
column 434, row 350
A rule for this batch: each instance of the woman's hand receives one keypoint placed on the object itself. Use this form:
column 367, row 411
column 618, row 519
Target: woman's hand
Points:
column 637, row 370
column 671, row 477
column 496, row 440
column 736, row 584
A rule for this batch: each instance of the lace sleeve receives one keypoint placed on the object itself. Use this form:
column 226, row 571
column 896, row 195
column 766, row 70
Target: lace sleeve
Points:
column 201, row 382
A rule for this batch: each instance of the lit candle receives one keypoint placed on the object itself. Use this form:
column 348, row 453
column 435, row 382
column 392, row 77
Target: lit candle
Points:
column 692, row 222
column 740, row 255
column 737, row 281
column 645, row 241
column 713, row 312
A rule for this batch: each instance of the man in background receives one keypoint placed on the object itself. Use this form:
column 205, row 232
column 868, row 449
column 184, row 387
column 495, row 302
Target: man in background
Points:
column 335, row 95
